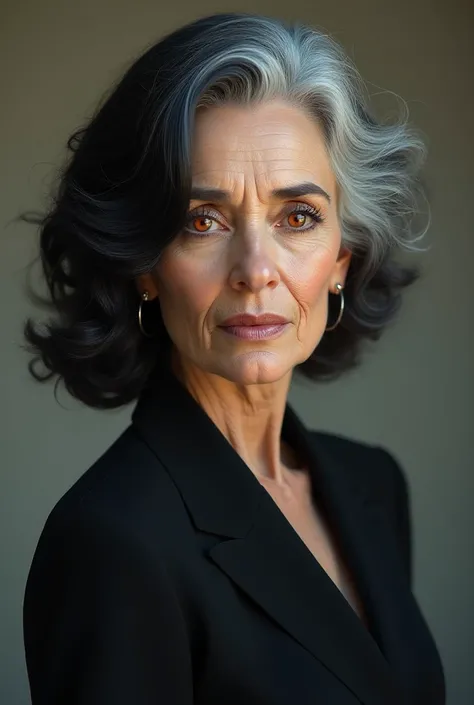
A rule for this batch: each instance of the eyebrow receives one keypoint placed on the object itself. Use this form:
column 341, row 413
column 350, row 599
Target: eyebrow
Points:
column 307, row 188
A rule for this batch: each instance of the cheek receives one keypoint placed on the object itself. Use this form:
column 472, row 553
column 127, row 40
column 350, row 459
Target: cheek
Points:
column 311, row 278
column 185, row 286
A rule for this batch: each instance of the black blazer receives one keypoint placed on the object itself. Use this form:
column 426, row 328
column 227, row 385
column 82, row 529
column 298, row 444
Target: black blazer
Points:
column 167, row 575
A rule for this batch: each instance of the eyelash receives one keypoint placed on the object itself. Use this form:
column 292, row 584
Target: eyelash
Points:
column 206, row 212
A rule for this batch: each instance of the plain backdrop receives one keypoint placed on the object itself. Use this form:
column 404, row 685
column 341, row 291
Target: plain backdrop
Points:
column 414, row 392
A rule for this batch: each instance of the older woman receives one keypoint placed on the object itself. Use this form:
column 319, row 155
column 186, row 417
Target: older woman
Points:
column 228, row 216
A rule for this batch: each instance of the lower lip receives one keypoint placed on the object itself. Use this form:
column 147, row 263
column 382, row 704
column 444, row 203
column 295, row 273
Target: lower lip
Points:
column 264, row 332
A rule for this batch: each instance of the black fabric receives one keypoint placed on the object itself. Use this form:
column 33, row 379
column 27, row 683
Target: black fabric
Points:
column 168, row 575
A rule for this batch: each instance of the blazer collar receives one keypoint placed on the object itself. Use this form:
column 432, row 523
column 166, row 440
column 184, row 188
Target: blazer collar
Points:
column 220, row 492
column 224, row 494
column 263, row 554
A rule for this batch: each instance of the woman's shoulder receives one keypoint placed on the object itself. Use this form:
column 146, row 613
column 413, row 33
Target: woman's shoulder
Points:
column 375, row 465
column 126, row 492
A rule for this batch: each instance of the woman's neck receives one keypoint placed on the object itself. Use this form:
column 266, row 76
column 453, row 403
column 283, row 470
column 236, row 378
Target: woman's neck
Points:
column 249, row 416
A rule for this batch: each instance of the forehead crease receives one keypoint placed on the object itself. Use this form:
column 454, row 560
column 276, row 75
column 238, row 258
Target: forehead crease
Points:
column 212, row 157
column 220, row 168
column 213, row 160
column 271, row 175
column 248, row 150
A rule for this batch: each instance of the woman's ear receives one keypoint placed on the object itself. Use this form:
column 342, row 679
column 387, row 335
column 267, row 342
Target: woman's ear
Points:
column 145, row 282
column 342, row 265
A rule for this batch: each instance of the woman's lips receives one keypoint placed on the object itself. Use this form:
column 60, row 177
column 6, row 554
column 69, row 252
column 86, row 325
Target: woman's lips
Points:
column 251, row 319
column 257, row 332
column 252, row 327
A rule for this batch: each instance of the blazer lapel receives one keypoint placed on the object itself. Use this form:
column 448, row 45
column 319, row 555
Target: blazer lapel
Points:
column 368, row 539
column 263, row 554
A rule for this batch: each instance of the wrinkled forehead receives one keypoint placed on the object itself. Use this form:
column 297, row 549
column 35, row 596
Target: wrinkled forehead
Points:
column 270, row 144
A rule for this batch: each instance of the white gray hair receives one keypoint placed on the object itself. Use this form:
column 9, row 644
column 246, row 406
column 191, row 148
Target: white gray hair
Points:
column 125, row 194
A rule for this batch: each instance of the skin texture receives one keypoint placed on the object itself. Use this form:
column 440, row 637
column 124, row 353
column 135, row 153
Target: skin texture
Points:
column 257, row 256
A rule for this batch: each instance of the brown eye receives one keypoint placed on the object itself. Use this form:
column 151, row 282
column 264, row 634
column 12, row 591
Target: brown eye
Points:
column 202, row 224
column 297, row 220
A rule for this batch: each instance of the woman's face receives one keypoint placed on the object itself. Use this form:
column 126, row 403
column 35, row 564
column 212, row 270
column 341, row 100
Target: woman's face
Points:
column 251, row 245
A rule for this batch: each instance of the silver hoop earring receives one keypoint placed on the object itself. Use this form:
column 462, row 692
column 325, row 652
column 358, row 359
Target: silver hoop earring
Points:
column 145, row 297
column 341, row 311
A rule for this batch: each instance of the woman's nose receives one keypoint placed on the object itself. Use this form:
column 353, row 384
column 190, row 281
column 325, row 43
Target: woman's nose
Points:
column 254, row 264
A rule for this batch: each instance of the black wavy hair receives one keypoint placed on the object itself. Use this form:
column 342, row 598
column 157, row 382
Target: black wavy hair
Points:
column 123, row 196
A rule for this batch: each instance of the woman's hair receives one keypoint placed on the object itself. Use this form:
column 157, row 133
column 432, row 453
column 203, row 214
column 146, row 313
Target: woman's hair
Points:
column 124, row 194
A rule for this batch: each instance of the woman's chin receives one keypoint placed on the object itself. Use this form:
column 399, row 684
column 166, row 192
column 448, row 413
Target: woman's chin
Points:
column 255, row 367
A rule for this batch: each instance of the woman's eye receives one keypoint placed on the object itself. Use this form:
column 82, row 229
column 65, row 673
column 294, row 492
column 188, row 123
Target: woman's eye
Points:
column 297, row 220
column 203, row 223
column 304, row 218
column 206, row 222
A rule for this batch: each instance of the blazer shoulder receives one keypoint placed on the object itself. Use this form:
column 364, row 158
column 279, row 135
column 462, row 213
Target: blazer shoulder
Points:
column 377, row 467
column 126, row 491
column 385, row 479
